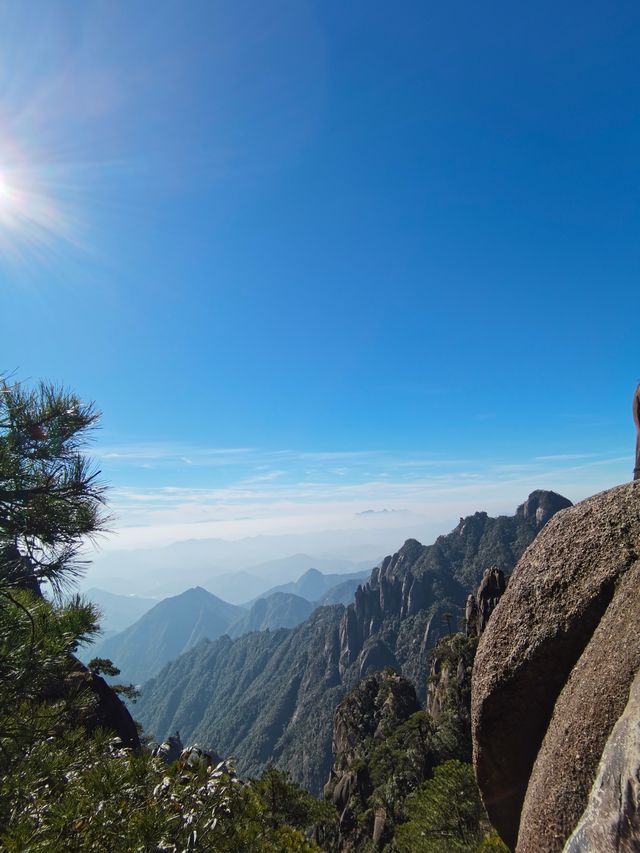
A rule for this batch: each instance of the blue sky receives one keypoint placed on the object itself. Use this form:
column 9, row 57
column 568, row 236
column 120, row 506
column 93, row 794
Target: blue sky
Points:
column 315, row 258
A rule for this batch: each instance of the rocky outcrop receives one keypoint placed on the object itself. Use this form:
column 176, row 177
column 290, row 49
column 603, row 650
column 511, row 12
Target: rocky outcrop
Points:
column 554, row 667
column 417, row 577
column 481, row 605
column 376, row 656
column 392, row 591
column 449, row 686
column 169, row 750
column 366, row 716
column 541, row 505
column 611, row 821
column 102, row 710
column 372, row 709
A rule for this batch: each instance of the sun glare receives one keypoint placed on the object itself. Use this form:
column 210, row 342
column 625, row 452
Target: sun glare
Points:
column 5, row 190
column 33, row 225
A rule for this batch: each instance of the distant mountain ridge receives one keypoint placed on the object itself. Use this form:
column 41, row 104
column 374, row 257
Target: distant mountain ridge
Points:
column 278, row 610
column 177, row 623
column 270, row 696
column 313, row 585
column 118, row 611
column 213, row 563
column 170, row 628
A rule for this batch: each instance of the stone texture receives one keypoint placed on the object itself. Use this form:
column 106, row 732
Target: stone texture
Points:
column 611, row 821
column 564, row 609
column 378, row 827
column 480, row 607
column 541, row 505
column 585, row 712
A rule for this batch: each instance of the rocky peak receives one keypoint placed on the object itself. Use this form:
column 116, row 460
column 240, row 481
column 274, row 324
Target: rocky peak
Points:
column 310, row 574
column 476, row 520
column 406, row 556
column 391, row 591
column 541, row 505
column 481, row 606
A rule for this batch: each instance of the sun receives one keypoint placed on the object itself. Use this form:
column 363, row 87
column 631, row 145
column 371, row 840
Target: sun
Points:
column 38, row 224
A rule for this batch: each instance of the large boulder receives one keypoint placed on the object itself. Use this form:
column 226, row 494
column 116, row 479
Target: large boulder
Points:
column 611, row 821
column 554, row 667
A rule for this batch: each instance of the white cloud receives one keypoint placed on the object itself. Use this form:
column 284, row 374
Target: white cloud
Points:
column 277, row 491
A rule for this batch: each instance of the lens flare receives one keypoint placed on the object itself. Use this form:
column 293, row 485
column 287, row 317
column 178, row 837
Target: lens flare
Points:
column 34, row 225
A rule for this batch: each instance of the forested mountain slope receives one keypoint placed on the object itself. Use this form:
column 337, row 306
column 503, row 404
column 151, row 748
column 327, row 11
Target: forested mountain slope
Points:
column 278, row 610
column 170, row 628
column 270, row 696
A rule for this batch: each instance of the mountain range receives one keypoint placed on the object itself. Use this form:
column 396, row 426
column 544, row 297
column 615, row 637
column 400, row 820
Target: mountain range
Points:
column 269, row 697
column 170, row 628
column 173, row 625
column 314, row 585
column 215, row 564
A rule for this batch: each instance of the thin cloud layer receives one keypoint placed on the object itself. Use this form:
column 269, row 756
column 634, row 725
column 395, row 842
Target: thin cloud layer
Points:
column 236, row 492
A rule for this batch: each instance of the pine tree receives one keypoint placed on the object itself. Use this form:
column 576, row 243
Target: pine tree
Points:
column 50, row 498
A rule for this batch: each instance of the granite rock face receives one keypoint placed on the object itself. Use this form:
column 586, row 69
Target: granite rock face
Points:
column 541, row 505
column 554, row 667
column 481, row 606
column 611, row 821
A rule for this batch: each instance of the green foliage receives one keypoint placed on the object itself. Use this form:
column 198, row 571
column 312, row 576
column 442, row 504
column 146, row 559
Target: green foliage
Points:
column 81, row 794
column 454, row 654
column 493, row 844
column 50, row 500
column 60, row 788
column 285, row 802
column 36, row 638
column 399, row 763
column 105, row 666
column 445, row 814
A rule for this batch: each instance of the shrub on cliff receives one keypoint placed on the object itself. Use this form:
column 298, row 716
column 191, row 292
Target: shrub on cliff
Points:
column 446, row 815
